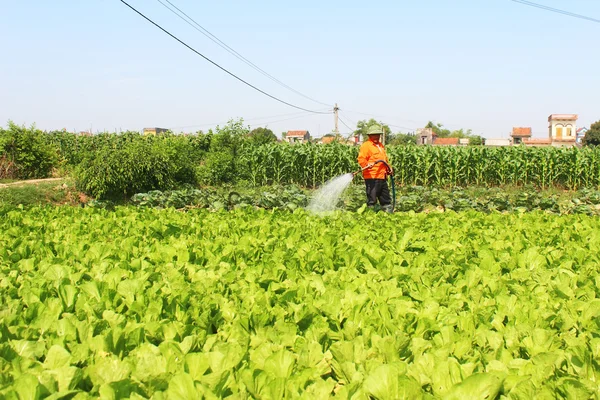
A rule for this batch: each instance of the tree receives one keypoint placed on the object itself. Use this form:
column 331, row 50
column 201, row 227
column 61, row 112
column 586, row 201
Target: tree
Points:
column 592, row 137
column 363, row 126
column 403, row 139
column 262, row 136
column 476, row 141
column 27, row 151
column 442, row 132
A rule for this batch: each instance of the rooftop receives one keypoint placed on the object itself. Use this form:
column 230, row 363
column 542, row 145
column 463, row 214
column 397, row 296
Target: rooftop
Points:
column 296, row 133
column 570, row 117
column 449, row 141
column 520, row 131
column 537, row 141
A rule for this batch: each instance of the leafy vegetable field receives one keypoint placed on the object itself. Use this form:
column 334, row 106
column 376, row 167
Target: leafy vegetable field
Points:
column 139, row 303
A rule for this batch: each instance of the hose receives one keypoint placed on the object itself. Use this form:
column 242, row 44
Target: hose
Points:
column 390, row 174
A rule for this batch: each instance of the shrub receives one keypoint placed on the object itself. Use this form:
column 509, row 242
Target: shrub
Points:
column 25, row 154
column 137, row 164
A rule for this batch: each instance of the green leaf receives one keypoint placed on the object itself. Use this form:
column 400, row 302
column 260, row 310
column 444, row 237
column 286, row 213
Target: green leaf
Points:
column 280, row 364
column 477, row 387
column 108, row 370
column 390, row 382
column 57, row 357
column 181, row 387
column 28, row 387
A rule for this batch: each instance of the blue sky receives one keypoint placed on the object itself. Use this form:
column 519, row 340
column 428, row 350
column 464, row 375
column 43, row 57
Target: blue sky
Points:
column 487, row 65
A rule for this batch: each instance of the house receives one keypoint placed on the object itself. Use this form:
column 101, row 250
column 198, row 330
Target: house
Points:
column 580, row 135
column 562, row 129
column 297, row 137
column 519, row 134
column 497, row 142
column 450, row 141
column 425, row 136
column 537, row 142
column 329, row 138
column 154, row 131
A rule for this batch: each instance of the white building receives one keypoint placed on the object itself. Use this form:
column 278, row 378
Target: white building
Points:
column 562, row 129
column 497, row 142
column 297, row 137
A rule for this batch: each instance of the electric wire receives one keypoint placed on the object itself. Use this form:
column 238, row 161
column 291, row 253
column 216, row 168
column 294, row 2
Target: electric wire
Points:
column 350, row 120
column 244, row 119
column 194, row 24
column 345, row 124
column 556, row 10
column 217, row 65
column 279, row 120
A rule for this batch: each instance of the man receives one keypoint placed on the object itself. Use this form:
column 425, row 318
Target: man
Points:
column 375, row 165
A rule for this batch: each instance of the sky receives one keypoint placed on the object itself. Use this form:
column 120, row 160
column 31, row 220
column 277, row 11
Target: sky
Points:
column 485, row 65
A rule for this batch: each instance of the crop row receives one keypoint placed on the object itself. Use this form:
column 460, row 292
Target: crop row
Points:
column 430, row 165
column 141, row 303
column 416, row 199
column 120, row 165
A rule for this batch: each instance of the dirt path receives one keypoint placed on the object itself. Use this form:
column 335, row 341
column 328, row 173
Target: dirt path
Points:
column 31, row 181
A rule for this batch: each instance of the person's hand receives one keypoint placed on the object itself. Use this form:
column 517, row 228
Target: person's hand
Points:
column 391, row 171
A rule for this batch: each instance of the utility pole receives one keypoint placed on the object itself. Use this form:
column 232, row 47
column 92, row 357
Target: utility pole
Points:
column 335, row 114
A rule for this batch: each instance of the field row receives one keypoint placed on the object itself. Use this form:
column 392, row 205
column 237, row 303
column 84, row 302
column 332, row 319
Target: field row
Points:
column 136, row 303
column 111, row 166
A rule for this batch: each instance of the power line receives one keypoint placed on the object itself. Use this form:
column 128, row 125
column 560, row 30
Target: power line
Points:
column 244, row 119
column 280, row 120
column 345, row 124
column 402, row 127
column 217, row 65
column 351, row 121
column 556, row 10
column 190, row 21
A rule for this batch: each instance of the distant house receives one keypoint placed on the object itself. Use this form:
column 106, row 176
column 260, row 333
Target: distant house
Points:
column 425, row 136
column 562, row 129
column 580, row 135
column 537, row 142
column 329, row 138
column 154, row 131
column 497, row 142
column 297, row 137
column 450, row 141
column 519, row 134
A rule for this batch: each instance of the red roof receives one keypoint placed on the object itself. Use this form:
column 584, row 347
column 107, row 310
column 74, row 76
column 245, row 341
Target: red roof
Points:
column 519, row 131
column 446, row 141
column 296, row 133
column 581, row 130
column 537, row 141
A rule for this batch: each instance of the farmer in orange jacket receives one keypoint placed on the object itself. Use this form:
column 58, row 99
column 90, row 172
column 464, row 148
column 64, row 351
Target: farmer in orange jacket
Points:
column 375, row 173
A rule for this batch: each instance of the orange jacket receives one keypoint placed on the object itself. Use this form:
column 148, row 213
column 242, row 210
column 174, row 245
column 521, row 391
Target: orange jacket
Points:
column 369, row 153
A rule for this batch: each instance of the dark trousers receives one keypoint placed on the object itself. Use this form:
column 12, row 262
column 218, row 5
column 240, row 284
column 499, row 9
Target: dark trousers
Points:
column 378, row 189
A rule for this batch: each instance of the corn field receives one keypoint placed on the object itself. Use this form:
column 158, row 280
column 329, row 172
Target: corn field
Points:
column 311, row 165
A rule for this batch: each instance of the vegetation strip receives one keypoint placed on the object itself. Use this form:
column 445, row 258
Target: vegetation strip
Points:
column 136, row 303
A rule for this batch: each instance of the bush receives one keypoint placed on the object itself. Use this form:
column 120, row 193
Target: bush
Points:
column 217, row 168
column 592, row 137
column 138, row 164
column 24, row 154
